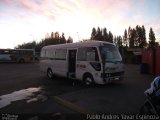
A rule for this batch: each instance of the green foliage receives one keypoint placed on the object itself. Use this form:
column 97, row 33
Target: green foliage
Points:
column 137, row 37
column 133, row 38
column 70, row 39
column 143, row 42
column 49, row 40
column 29, row 45
column 101, row 35
column 93, row 34
column 118, row 41
column 105, row 34
column 110, row 37
column 125, row 37
column 152, row 38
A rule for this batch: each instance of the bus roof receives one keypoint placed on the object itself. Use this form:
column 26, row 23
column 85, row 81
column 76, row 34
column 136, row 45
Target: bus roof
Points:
column 78, row 44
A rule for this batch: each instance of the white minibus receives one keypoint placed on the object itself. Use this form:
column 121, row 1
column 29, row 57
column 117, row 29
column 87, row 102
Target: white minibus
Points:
column 91, row 61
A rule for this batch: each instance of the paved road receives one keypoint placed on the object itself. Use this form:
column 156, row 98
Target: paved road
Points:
column 25, row 89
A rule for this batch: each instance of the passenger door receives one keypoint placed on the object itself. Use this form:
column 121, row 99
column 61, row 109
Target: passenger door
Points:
column 72, row 62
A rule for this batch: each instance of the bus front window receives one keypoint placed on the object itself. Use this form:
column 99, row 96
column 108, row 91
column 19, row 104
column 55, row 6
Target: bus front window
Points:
column 110, row 53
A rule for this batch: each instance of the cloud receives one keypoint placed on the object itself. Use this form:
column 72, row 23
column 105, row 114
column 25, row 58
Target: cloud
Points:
column 53, row 9
column 156, row 28
column 25, row 8
column 72, row 16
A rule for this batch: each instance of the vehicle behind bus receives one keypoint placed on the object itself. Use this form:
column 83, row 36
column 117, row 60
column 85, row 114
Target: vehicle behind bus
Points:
column 17, row 55
column 91, row 62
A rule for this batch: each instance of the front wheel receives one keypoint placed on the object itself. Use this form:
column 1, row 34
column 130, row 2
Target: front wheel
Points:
column 50, row 74
column 88, row 80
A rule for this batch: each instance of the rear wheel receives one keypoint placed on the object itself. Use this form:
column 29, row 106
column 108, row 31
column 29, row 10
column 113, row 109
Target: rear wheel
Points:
column 88, row 79
column 50, row 74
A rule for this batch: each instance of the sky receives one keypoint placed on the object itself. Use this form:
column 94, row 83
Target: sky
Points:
column 23, row 21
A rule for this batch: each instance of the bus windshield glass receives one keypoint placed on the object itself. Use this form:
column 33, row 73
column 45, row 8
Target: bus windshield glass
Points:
column 110, row 53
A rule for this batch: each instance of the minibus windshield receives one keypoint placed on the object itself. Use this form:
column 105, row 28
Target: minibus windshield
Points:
column 110, row 53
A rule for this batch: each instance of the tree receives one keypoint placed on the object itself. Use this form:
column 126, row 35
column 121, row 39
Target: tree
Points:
column 105, row 34
column 110, row 37
column 152, row 38
column 69, row 40
column 138, row 35
column 52, row 35
column 132, row 38
column 143, row 42
column 62, row 39
column 93, row 34
column 115, row 40
column 51, row 39
column 99, row 36
column 29, row 45
column 125, row 38
column 129, row 37
column 119, row 41
column 57, row 35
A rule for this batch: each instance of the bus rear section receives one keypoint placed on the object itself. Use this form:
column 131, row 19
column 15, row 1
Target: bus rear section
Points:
column 90, row 62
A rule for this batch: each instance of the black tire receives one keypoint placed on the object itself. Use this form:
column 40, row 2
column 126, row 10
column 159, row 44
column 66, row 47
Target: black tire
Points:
column 50, row 74
column 88, row 80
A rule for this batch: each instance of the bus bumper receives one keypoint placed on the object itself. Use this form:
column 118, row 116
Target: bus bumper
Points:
column 110, row 77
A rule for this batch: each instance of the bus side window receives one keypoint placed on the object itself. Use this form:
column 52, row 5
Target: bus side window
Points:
column 81, row 56
column 60, row 54
column 92, row 54
column 88, row 54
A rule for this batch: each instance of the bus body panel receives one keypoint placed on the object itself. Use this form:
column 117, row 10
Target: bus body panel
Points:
column 59, row 67
column 83, row 67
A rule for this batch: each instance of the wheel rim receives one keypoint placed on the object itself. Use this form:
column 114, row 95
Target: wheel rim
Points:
column 88, row 81
column 49, row 73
